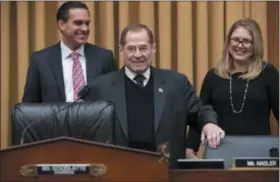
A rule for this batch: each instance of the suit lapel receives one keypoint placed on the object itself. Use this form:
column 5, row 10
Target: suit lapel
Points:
column 56, row 67
column 160, row 90
column 118, row 95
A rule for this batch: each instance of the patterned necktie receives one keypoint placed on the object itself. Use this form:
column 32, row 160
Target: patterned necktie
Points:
column 139, row 80
column 77, row 75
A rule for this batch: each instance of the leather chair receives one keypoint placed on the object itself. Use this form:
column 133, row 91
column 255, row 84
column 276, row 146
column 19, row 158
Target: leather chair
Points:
column 242, row 146
column 92, row 121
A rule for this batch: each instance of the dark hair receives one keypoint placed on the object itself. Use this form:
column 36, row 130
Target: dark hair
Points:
column 136, row 28
column 63, row 11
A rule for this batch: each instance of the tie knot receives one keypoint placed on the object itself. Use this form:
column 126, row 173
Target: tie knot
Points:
column 139, row 79
column 75, row 55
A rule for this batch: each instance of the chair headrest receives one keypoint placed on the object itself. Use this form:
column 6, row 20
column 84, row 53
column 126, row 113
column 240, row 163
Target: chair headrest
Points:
column 85, row 120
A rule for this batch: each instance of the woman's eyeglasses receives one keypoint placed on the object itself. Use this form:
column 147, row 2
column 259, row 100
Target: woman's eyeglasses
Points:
column 245, row 42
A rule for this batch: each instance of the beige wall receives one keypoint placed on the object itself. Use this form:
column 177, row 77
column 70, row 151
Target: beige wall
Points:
column 189, row 37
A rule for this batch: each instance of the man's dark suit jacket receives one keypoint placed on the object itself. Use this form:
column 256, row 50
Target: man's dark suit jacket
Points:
column 174, row 108
column 44, row 81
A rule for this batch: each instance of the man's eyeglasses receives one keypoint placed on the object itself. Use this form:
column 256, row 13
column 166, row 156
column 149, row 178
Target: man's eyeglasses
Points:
column 245, row 42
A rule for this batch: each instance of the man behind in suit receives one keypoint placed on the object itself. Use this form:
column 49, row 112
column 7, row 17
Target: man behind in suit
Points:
column 57, row 73
column 153, row 106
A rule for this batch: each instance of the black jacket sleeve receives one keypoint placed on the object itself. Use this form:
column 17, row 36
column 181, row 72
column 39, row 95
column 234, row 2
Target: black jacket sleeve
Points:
column 193, row 137
column 198, row 114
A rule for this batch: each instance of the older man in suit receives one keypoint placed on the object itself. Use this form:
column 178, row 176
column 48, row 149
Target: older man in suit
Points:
column 57, row 73
column 153, row 106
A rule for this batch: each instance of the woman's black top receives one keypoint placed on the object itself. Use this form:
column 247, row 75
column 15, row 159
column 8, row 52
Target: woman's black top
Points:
column 262, row 97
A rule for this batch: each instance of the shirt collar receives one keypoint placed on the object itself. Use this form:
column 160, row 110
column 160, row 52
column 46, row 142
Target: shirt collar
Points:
column 66, row 52
column 131, row 74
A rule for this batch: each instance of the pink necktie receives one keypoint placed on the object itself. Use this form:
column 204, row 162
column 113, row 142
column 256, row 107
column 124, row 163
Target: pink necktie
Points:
column 77, row 75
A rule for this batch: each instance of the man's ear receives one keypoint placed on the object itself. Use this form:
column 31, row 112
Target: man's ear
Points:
column 121, row 49
column 61, row 24
column 154, row 48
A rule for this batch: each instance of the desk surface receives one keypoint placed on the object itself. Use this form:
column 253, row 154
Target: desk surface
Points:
column 230, row 175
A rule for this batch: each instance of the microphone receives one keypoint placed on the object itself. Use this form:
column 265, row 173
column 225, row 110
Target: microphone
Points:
column 81, row 95
column 273, row 152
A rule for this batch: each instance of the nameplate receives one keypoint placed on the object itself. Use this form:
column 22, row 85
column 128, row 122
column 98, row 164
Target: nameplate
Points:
column 200, row 163
column 264, row 162
column 63, row 169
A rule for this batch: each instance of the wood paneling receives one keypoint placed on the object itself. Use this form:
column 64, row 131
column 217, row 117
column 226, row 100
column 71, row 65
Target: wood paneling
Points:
column 273, row 46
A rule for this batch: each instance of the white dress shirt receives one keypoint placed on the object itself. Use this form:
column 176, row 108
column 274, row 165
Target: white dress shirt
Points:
column 131, row 75
column 67, row 63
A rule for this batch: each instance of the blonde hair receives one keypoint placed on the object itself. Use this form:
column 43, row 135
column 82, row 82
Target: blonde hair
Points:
column 256, row 62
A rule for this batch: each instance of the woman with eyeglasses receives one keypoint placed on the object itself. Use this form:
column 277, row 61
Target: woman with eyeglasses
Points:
column 242, row 88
